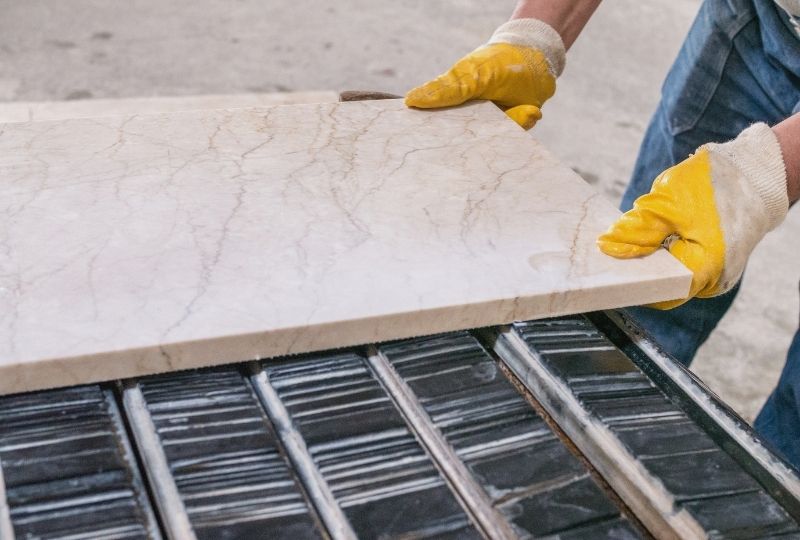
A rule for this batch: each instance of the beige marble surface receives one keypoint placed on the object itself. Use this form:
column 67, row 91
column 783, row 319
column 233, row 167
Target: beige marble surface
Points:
column 140, row 244
column 26, row 111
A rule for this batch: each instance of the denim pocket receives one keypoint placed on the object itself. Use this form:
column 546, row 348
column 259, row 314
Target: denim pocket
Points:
column 695, row 76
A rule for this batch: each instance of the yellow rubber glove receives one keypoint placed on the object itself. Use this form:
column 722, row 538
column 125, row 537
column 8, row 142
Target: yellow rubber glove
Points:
column 710, row 211
column 516, row 69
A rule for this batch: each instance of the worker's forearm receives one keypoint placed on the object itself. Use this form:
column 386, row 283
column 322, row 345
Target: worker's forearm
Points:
column 788, row 134
column 567, row 18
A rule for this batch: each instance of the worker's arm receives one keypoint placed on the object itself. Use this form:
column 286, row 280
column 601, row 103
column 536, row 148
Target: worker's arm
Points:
column 712, row 209
column 788, row 134
column 517, row 68
column 566, row 18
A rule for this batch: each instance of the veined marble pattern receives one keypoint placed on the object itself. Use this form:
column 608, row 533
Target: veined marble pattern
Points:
column 143, row 244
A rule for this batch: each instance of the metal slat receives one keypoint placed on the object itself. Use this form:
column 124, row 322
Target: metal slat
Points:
column 379, row 475
column 66, row 468
column 168, row 500
column 492, row 522
column 229, row 470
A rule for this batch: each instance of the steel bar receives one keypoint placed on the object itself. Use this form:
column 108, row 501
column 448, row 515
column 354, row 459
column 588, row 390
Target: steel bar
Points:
column 317, row 488
column 168, row 500
column 474, row 498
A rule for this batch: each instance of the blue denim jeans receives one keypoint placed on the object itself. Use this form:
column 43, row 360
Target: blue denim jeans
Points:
column 739, row 64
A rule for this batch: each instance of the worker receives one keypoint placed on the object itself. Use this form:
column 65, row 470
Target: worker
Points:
column 737, row 74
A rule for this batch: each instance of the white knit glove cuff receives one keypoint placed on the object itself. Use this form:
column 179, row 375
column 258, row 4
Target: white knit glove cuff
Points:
column 534, row 34
column 749, row 180
column 757, row 154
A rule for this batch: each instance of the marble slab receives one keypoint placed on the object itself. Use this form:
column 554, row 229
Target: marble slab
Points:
column 140, row 244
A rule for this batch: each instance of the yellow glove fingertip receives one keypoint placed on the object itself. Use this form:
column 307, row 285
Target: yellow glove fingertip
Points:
column 671, row 304
column 440, row 92
column 525, row 115
column 623, row 250
column 419, row 97
column 694, row 257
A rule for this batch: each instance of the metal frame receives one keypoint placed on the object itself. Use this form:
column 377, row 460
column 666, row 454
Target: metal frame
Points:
column 776, row 476
column 649, row 501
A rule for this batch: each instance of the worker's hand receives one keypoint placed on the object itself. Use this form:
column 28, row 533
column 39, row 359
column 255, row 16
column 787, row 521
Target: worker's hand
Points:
column 516, row 69
column 710, row 211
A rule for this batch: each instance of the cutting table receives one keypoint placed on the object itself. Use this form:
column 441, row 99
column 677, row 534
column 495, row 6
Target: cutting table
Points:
column 573, row 427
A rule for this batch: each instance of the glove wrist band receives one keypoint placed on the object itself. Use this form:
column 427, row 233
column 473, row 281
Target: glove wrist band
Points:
column 534, row 34
column 757, row 154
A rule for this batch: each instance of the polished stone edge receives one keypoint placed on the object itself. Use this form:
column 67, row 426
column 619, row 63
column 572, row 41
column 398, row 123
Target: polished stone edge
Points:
column 42, row 111
column 705, row 399
column 170, row 506
column 645, row 495
column 293, row 443
column 44, row 373
column 472, row 496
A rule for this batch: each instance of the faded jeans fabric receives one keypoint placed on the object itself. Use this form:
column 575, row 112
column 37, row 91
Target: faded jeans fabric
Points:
column 740, row 64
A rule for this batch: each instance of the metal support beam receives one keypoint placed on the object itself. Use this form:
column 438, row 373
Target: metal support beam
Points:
column 128, row 455
column 168, row 500
column 315, row 485
column 473, row 497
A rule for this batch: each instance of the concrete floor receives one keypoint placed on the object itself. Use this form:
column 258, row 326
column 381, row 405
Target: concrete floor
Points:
column 85, row 49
